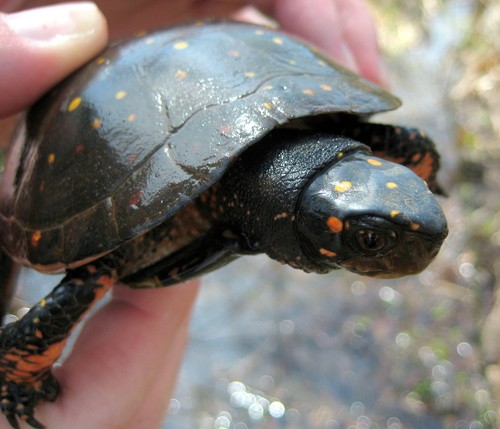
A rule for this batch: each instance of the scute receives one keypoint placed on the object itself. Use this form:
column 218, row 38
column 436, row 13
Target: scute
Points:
column 130, row 138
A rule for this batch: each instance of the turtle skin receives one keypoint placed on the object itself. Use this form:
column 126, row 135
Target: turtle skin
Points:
column 173, row 153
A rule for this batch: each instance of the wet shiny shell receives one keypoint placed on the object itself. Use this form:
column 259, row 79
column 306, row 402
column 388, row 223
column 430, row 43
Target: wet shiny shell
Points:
column 130, row 138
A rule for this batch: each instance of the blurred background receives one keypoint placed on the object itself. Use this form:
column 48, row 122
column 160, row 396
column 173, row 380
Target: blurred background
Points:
column 274, row 348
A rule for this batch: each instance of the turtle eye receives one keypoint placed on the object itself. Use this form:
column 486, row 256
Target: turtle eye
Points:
column 369, row 241
column 371, row 236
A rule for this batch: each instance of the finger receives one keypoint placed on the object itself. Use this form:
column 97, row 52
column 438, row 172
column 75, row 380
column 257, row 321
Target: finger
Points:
column 316, row 21
column 39, row 47
column 358, row 28
column 115, row 362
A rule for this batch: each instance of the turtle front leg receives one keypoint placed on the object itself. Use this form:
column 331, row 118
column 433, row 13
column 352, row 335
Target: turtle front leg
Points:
column 30, row 346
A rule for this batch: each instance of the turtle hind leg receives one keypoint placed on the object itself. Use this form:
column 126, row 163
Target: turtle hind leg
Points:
column 30, row 346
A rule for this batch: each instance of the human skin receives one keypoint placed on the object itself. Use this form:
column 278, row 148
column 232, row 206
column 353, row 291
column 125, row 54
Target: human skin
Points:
column 123, row 367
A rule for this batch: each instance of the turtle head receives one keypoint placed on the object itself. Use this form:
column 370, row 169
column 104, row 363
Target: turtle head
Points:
column 370, row 216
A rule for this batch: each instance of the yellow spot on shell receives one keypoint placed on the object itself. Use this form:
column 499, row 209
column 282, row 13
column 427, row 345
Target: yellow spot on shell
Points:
column 391, row 185
column 51, row 158
column 308, row 92
column 414, row 226
column 96, row 123
column 180, row 74
column 335, row 224
column 278, row 41
column 375, row 162
column 394, row 213
column 35, row 238
column 249, row 74
column 268, row 87
column 181, row 45
column 101, row 60
column 326, row 87
column 120, row 95
column 328, row 253
column 42, row 303
column 340, row 155
column 73, row 105
column 268, row 106
column 132, row 117
column 343, row 186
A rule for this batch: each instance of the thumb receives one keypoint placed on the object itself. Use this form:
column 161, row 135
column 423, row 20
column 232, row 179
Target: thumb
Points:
column 39, row 47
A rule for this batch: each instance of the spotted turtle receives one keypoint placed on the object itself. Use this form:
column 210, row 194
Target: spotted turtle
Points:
column 174, row 152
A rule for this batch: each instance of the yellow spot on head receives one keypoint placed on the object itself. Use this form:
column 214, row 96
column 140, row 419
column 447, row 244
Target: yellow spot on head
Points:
column 73, row 105
column 335, row 224
column 96, row 123
column 375, row 162
column 181, row 45
column 326, row 87
column 35, row 238
column 414, row 226
column 394, row 213
column 328, row 253
column 278, row 41
column 391, row 185
column 343, row 186
column 180, row 74
column 132, row 117
column 249, row 74
column 268, row 106
column 308, row 92
column 120, row 95
column 51, row 158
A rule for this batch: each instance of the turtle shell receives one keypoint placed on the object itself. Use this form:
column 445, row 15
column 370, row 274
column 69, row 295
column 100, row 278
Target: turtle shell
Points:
column 137, row 133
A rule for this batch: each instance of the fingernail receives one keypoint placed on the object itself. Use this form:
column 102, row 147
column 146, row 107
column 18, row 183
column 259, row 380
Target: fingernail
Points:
column 56, row 23
column 348, row 58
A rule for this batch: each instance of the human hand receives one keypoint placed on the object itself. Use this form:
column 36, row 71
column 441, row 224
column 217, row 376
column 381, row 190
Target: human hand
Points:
column 123, row 367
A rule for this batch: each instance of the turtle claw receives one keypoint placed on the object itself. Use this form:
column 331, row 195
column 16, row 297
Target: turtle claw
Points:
column 18, row 400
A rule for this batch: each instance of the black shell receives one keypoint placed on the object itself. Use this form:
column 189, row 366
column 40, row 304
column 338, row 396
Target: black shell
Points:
column 134, row 135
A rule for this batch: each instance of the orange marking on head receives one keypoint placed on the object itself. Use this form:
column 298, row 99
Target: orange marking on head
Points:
column 96, row 123
column 51, row 158
column 335, row 224
column 181, row 45
column 374, row 162
column 180, row 74
column 343, row 186
column 101, row 60
column 120, row 95
column 36, row 237
column 414, row 226
column 328, row 253
column 394, row 213
column 134, row 199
